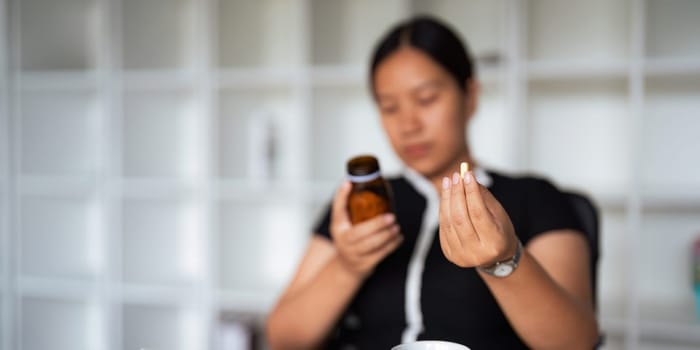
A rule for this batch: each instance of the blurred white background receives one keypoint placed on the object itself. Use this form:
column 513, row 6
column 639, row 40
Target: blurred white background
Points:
column 162, row 161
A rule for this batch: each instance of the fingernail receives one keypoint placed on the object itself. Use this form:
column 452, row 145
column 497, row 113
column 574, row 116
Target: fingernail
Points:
column 455, row 178
column 389, row 218
column 445, row 183
column 468, row 177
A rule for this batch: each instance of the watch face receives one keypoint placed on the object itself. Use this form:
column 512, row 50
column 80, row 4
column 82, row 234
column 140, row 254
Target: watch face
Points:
column 503, row 270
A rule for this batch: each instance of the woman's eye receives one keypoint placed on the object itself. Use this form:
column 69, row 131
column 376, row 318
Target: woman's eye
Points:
column 426, row 100
column 389, row 109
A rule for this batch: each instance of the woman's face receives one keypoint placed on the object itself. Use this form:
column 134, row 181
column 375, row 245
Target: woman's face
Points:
column 423, row 110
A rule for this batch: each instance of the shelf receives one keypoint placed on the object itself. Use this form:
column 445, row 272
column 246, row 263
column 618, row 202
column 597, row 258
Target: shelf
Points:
column 159, row 80
column 162, row 243
column 669, row 133
column 577, row 70
column 257, row 79
column 323, row 191
column 481, row 23
column 58, row 81
column 595, row 134
column 672, row 67
column 614, row 343
column 61, row 324
column 259, row 246
column 60, row 238
column 239, row 330
column 665, row 289
column 492, row 130
column 612, row 327
column 4, row 241
column 665, row 23
column 613, row 273
column 676, row 323
column 5, row 143
column 258, row 135
column 258, row 304
column 345, row 123
column 340, row 76
column 158, row 188
column 666, row 345
column 585, row 30
column 316, row 211
column 158, row 34
column 356, row 76
column 58, row 35
column 674, row 333
column 161, row 135
column 58, row 288
column 345, row 31
column 259, row 33
column 161, row 327
column 258, row 192
column 156, row 295
column 680, row 199
column 608, row 201
column 57, row 186
column 59, row 131
column 231, row 122
column 613, row 332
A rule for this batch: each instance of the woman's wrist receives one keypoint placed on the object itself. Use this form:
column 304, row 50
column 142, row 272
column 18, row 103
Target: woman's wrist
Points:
column 505, row 267
column 348, row 272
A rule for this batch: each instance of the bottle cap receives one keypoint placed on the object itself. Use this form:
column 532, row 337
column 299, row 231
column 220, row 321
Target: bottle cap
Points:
column 363, row 165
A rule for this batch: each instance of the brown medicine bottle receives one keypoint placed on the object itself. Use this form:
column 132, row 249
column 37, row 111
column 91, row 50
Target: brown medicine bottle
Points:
column 370, row 195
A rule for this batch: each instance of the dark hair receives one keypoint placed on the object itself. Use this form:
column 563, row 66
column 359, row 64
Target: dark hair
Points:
column 434, row 38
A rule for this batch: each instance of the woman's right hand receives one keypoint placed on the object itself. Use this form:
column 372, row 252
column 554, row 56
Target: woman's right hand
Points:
column 362, row 246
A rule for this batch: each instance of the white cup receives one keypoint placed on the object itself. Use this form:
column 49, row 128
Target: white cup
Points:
column 430, row 345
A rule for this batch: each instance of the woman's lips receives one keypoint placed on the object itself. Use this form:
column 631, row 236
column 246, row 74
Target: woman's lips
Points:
column 417, row 150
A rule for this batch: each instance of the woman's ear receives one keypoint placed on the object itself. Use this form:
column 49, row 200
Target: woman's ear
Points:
column 473, row 89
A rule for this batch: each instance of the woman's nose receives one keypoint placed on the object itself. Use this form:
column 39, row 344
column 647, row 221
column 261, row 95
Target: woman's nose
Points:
column 410, row 122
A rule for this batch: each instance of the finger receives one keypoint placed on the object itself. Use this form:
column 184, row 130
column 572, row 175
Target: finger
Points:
column 445, row 215
column 445, row 197
column 371, row 227
column 384, row 250
column 444, row 244
column 339, row 215
column 372, row 243
column 459, row 215
column 447, row 228
column 479, row 214
column 493, row 205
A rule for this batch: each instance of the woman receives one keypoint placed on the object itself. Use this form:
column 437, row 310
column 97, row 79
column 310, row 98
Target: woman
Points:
column 450, row 264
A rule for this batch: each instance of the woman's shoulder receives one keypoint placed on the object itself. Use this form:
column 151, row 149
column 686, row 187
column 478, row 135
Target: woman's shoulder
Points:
column 524, row 182
column 527, row 189
column 535, row 203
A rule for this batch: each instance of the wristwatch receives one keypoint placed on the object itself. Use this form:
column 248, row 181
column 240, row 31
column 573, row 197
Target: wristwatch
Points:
column 504, row 268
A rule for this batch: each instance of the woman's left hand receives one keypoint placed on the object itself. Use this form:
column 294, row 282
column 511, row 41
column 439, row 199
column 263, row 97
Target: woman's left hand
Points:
column 475, row 230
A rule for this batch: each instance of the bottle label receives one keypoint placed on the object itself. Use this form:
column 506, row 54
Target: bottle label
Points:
column 366, row 205
column 364, row 178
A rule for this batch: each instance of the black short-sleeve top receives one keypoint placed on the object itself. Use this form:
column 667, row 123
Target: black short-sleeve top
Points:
column 416, row 293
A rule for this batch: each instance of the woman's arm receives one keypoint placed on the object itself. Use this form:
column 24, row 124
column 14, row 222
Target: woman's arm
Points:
column 311, row 305
column 329, row 276
column 547, row 299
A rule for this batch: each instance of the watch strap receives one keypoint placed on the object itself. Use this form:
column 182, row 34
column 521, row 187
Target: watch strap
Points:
column 512, row 263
